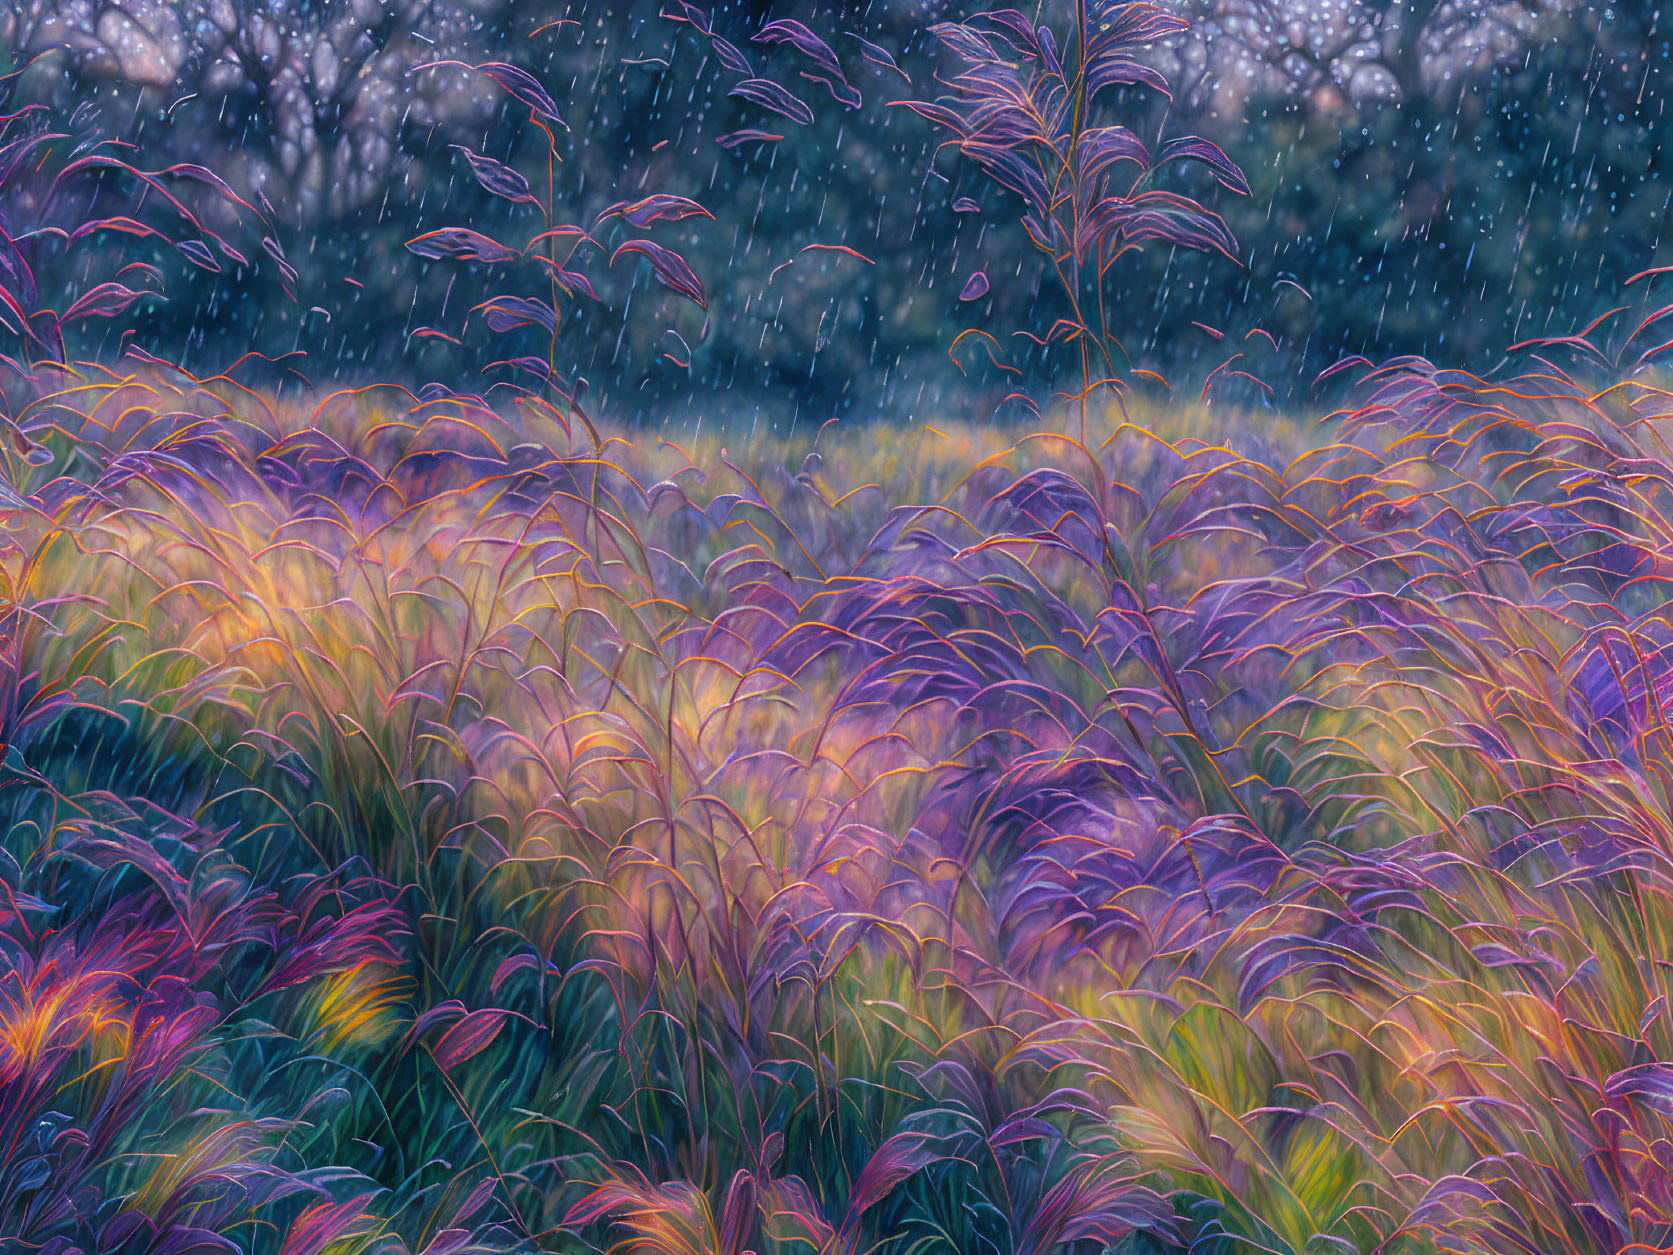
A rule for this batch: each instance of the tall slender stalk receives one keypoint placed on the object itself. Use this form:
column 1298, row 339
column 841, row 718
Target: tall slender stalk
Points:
column 1033, row 127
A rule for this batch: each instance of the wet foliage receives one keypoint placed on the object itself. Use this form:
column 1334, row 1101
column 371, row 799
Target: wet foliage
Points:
column 1223, row 803
column 1512, row 145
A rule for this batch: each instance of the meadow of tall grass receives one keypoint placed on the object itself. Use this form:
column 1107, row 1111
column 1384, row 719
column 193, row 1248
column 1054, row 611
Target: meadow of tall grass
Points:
column 440, row 828
column 433, row 824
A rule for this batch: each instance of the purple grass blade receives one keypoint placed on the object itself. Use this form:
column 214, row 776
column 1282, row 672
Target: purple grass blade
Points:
column 498, row 178
column 463, row 244
column 670, row 268
column 771, row 96
column 789, row 31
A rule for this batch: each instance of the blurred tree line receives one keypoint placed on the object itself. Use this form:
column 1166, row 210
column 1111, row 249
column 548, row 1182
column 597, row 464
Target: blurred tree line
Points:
column 1440, row 177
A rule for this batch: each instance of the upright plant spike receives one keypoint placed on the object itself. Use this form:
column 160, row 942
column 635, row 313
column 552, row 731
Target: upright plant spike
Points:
column 1029, row 116
column 508, row 312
